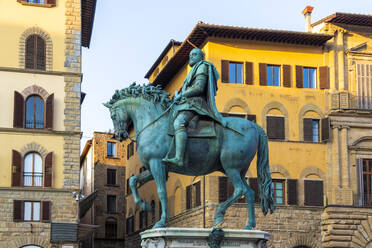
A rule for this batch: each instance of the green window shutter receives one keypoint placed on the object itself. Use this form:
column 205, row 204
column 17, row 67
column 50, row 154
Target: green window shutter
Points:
column 325, row 129
column 49, row 111
column 16, row 168
column 19, row 110
column 313, row 192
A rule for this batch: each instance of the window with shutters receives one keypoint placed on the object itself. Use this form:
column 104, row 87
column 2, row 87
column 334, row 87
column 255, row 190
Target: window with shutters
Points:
column 130, row 225
column 111, row 149
column 111, row 177
column 35, row 53
column 39, row 211
column 111, row 203
column 41, row 3
column 226, row 190
column 235, row 73
column 311, row 130
column 309, row 77
column 143, row 219
column 33, row 170
column 313, row 192
column 367, row 182
column 111, row 226
column 31, row 211
column 273, row 75
column 193, row 195
column 275, row 127
column 34, row 112
column 279, row 191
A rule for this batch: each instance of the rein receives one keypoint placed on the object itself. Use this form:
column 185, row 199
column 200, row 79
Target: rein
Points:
column 149, row 124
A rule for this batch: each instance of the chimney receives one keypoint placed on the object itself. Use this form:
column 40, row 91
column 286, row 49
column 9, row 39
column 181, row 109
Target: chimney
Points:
column 307, row 13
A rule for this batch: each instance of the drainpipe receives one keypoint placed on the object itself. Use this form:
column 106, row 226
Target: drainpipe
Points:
column 203, row 201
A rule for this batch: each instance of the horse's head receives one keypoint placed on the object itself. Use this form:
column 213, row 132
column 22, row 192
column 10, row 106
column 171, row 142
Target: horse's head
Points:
column 121, row 121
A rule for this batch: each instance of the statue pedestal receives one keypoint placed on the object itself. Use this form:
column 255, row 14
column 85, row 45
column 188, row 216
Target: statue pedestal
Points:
column 175, row 237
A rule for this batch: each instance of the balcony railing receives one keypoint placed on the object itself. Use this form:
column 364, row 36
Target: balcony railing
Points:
column 32, row 179
column 363, row 199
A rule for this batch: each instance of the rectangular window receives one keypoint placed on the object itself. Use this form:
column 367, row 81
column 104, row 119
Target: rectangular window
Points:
column 309, row 78
column 311, row 130
column 111, row 149
column 275, row 127
column 278, row 191
column 273, row 75
column 130, row 149
column 193, row 196
column 111, row 203
column 313, row 192
column 31, row 211
column 367, row 182
column 130, row 225
column 111, row 177
column 235, row 73
column 143, row 219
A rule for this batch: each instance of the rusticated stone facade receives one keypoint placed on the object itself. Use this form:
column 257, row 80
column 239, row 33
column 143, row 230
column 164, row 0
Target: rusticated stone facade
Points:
column 18, row 234
column 94, row 167
column 344, row 226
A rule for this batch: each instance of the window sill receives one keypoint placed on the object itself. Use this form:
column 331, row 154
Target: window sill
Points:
column 112, row 157
column 112, row 185
column 45, row 5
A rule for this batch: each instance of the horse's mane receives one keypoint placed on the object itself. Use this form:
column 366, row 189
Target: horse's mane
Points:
column 148, row 92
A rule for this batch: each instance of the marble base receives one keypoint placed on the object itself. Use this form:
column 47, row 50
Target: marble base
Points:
column 174, row 237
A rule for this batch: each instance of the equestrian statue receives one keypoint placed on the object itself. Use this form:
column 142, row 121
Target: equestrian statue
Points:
column 187, row 135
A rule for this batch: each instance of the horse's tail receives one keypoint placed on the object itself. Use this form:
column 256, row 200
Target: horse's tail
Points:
column 265, row 184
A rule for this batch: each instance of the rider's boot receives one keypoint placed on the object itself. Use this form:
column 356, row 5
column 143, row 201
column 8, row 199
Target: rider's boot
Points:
column 180, row 136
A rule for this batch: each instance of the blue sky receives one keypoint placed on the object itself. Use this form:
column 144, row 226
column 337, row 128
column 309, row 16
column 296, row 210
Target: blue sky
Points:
column 128, row 36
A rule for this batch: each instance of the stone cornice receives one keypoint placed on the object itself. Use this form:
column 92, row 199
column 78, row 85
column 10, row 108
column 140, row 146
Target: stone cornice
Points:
column 56, row 73
column 39, row 131
column 38, row 189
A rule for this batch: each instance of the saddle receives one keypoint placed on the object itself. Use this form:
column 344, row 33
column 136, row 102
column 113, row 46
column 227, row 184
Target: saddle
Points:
column 198, row 128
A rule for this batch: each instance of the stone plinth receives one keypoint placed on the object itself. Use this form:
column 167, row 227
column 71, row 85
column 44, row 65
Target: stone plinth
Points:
column 198, row 238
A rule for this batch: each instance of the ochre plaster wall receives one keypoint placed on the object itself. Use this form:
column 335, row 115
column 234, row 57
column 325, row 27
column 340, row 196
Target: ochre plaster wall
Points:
column 12, row 81
column 16, row 18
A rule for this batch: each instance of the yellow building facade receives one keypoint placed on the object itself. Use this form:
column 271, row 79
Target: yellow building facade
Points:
column 40, row 71
column 310, row 91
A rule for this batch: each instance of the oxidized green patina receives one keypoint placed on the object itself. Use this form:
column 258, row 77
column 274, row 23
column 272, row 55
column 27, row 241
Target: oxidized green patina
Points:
column 229, row 144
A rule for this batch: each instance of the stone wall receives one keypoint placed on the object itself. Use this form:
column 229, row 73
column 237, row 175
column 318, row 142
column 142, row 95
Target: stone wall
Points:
column 18, row 234
column 100, row 208
column 346, row 226
column 289, row 226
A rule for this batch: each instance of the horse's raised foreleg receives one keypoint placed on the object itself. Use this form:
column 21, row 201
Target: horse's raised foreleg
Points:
column 140, row 178
column 159, row 174
column 239, row 190
column 249, row 198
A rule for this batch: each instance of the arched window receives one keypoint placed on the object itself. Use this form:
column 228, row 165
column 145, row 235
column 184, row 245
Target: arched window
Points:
column 33, row 170
column 35, row 52
column 111, row 228
column 34, row 112
column 31, row 246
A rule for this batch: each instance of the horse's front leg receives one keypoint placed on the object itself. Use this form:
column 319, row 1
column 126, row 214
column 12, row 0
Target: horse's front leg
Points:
column 159, row 174
column 140, row 178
